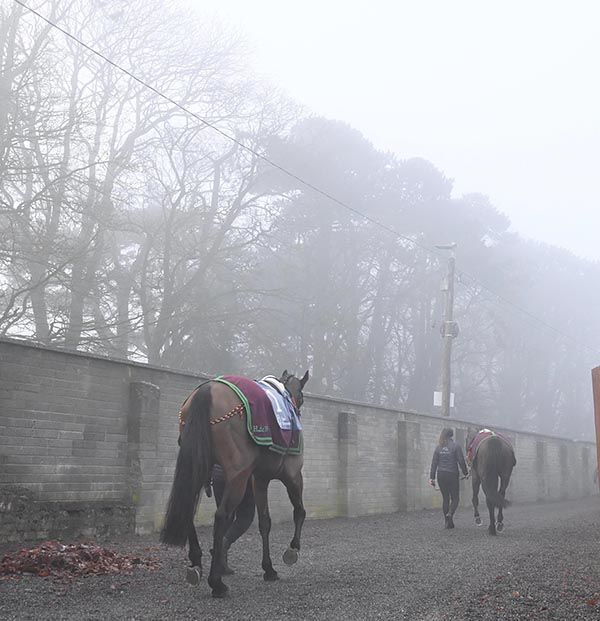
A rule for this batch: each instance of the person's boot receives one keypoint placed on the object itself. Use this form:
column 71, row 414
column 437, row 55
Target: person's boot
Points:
column 227, row 571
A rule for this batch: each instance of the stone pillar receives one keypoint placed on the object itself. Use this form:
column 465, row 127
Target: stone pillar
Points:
column 460, row 437
column 410, row 467
column 563, row 457
column 142, row 445
column 540, row 470
column 347, row 462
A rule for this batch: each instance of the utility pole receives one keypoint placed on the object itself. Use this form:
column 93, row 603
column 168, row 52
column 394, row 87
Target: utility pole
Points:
column 449, row 330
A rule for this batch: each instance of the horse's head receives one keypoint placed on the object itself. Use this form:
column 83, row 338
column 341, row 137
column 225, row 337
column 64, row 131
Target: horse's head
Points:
column 294, row 386
column 471, row 433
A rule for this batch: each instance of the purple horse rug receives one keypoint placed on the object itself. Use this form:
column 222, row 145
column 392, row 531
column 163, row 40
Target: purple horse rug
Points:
column 271, row 416
column 481, row 437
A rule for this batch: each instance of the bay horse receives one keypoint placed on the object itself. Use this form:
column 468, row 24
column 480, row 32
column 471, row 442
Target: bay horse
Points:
column 492, row 460
column 214, row 429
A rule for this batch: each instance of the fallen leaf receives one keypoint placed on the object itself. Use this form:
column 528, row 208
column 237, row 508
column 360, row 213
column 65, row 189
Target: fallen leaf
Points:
column 51, row 558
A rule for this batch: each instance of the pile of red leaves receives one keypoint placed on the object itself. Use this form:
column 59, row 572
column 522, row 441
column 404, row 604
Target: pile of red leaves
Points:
column 52, row 558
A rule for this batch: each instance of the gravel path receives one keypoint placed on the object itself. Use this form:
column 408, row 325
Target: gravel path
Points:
column 545, row 565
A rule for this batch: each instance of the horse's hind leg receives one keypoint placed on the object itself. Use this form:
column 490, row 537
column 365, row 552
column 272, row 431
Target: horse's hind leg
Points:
column 504, row 481
column 490, row 489
column 492, row 511
column 243, row 518
column 234, row 491
column 294, row 486
column 264, row 525
column 475, row 500
column 194, row 573
column 500, row 520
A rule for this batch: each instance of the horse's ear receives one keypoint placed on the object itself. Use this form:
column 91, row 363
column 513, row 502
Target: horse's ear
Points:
column 284, row 375
column 304, row 380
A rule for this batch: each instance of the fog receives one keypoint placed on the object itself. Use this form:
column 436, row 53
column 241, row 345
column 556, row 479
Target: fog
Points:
column 502, row 98
column 267, row 191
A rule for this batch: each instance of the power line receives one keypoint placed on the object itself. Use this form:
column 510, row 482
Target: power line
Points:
column 534, row 319
column 291, row 174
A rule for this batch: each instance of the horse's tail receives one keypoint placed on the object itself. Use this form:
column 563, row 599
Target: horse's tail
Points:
column 493, row 495
column 492, row 468
column 192, row 471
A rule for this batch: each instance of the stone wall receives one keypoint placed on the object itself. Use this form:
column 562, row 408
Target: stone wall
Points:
column 93, row 442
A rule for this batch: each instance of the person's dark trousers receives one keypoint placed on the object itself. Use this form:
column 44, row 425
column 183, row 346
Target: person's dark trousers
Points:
column 449, row 486
column 244, row 514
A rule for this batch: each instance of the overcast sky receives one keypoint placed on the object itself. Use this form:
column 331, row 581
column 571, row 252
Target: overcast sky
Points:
column 503, row 97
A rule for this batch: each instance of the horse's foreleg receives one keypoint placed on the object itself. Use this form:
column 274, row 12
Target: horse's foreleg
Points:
column 194, row 573
column 294, row 486
column 264, row 526
column 475, row 500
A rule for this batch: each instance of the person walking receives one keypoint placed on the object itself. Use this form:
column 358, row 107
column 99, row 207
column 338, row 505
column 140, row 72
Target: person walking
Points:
column 447, row 458
column 243, row 515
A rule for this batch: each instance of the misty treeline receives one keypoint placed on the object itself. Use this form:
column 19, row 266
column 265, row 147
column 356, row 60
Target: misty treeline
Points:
column 131, row 229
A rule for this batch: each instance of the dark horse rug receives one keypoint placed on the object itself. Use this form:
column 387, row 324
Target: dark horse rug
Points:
column 271, row 416
column 479, row 438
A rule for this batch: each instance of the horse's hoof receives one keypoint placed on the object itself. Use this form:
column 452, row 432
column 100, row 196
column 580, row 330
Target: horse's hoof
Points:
column 499, row 527
column 478, row 521
column 290, row 556
column 220, row 592
column 492, row 531
column 271, row 576
column 193, row 575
